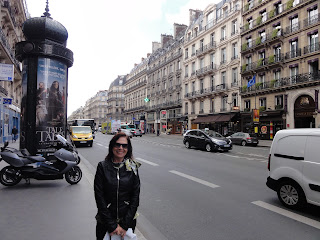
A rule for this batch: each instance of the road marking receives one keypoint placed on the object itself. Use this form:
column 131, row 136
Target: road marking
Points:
column 194, row 179
column 286, row 213
column 249, row 159
column 148, row 162
column 99, row 144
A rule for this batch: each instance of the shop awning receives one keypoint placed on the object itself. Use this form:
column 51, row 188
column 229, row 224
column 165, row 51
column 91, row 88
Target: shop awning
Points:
column 206, row 119
column 225, row 117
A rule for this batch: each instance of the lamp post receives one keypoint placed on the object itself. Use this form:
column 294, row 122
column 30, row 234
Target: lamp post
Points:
column 230, row 104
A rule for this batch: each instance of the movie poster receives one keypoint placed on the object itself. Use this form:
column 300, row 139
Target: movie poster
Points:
column 51, row 103
column 23, row 104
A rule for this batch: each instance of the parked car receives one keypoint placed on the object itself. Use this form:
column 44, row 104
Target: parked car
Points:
column 127, row 132
column 244, row 139
column 136, row 132
column 294, row 167
column 209, row 140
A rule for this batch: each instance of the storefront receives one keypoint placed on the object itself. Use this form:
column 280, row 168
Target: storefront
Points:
column 225, row 124
column 268, row 124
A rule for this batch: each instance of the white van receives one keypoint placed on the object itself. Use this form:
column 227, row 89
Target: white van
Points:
column 294, row 167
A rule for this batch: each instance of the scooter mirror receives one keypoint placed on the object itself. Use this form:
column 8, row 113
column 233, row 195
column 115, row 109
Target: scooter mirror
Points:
column 6, row 144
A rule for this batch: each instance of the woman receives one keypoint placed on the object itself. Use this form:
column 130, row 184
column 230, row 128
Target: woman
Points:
column 117, row 189
column 55, row 105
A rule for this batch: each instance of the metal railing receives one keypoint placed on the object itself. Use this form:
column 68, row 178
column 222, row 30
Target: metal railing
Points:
column 311, row 20
column 311, row 48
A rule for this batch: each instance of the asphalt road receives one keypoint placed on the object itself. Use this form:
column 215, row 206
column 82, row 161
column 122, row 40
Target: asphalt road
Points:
column 193, row 194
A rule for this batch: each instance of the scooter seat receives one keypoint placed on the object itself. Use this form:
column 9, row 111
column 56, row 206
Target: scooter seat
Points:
column 26, row 161
column 36, row 158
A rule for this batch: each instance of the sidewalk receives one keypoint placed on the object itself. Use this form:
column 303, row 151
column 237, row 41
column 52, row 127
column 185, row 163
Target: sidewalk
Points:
column 262, row 143
column 50, row 205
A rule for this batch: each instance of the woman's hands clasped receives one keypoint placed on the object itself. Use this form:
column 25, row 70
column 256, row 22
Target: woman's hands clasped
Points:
column 119, row 231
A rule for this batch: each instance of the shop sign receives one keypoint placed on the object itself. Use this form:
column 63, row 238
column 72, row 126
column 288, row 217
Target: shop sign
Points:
column 264, row 129
column 256, row 115
column 6, row 72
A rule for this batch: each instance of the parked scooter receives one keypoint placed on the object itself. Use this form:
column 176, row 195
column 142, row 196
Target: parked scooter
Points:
column 23, row 165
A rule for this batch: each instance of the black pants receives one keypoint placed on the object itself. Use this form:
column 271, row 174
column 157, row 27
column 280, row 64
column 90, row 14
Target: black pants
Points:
column 101, row 231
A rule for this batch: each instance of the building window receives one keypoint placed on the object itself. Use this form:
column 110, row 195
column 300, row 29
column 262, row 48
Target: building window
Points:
column 186, row 71
column 294, row 48
column 212, row 38
column 212, row 105
column 224, row 101
column 193, row 68
column 212, row 82
column 201, row 44
column 186, row 108
column 193, row 50
column 186, row 88
column 212, row 60
column 201, row 63
column 223, row 56
column 179, row 65
column 201, row 85
column 234, row 51
column 234, row 75
column 264, row 16
column 234, row 100
column 313, row 15
column 278, row 8
column 192, row 108
column 294, row 70
column 223, row 33
column 247, row 104
column 313, row 42
column 262, row 103
column 294, row 24
column 233, row 27
column 186, row 53
column 201, row 106
column 193, row 87
column 279, row 102
column 277, row 74
column 223, row 78
column 249, row 42
column 263, row 36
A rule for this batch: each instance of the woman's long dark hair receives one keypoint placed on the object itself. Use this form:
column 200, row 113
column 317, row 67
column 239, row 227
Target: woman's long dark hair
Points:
column 113, row 141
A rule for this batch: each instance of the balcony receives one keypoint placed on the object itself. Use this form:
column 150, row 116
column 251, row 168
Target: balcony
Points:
column 293, row 54
column 262, row 64
column 286, row 83
column 311, row 20
column 292, row 28
column 311, row 48
column 221, row 87
column 206, row 70
column 206, row 48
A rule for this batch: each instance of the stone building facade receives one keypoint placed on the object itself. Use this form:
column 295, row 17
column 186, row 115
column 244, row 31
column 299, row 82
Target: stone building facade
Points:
column 115, row 101
column 13, row 14
column 164, row 83
column 135, row 93
column 280, row 47
column 211, row 77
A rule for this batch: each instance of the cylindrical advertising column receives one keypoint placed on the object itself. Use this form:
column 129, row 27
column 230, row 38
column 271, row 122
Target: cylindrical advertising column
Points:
column 45, row 61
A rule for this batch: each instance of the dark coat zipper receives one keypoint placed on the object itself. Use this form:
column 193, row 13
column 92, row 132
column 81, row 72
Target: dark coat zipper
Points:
column 118, row 177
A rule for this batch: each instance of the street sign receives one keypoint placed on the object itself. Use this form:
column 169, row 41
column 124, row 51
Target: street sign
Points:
column 7, row 101
column 6, row 72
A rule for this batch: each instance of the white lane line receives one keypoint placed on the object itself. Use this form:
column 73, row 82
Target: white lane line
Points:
column 99, row 144
column 286, row 213
column 194, row 179
column 148, row 162
column 235, row 156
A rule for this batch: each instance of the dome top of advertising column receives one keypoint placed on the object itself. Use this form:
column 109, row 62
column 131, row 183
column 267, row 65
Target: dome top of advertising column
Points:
column 44, row 27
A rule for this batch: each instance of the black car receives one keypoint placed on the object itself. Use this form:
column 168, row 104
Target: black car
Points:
column 244, row 139
column 209, row 140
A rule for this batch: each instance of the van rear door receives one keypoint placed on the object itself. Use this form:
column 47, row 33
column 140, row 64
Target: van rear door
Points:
column 311, row 169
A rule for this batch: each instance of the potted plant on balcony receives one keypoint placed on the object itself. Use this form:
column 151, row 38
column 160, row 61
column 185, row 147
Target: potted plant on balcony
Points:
column 271, row 13
column 244, row 46
column 259, row 19
column 273, row 82
column 246, row 7
column 258, row 84
column 274, row 33
column 244, row 67
column 244, row 88
column 290, row 4
column 262, row 108
column 260, row 61
column 271, row 59
column 258, row 40
column 246, row 26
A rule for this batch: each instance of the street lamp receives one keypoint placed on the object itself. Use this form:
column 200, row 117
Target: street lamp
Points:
column 230, row 103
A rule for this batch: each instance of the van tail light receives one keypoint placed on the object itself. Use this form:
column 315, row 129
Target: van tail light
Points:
column 269, row 162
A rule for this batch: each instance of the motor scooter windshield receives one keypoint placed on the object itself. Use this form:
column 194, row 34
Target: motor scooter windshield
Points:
column 61, row 139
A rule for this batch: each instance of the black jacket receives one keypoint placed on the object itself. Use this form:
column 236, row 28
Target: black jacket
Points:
column 117, row 198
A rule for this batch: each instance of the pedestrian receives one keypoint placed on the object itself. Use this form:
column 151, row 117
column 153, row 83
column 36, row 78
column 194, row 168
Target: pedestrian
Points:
column 117, row 189
column 14, row 132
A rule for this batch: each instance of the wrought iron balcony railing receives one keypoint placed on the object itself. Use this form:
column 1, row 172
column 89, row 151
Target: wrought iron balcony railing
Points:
column 311, row 48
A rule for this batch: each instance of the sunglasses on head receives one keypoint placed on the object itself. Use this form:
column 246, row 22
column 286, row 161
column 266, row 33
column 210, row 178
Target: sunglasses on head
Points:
column 118, row 145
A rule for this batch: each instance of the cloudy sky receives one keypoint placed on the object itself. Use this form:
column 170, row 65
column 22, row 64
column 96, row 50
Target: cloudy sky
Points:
column 109, row 37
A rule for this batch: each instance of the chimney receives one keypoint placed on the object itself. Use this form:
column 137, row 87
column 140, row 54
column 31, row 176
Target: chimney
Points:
column 135, row 65
column 148, row 55
column 155, row 46
column 179, row 29
column 165, row 39
column 142, row 59
column 193, row 15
